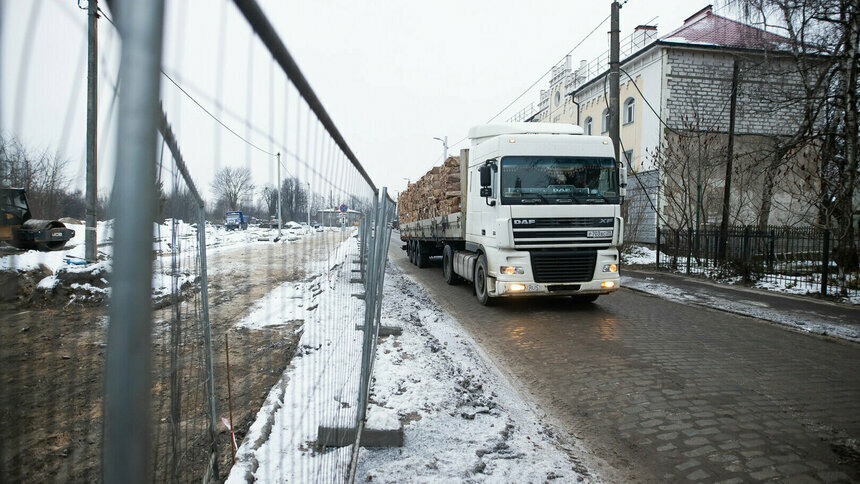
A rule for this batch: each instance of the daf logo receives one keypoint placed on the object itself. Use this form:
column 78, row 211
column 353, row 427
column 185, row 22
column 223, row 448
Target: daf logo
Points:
column 524, row 221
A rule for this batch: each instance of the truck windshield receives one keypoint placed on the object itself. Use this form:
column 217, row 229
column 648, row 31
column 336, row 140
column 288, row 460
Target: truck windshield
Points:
column 558, row 180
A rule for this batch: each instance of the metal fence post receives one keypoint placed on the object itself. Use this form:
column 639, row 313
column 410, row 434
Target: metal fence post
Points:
column 675, row 253
column 128, row 374
column 657, row 262
column 369, row 312
column 689, row 247
column 207, row 339
column 772, row 251
column 745, row 254
column 825, row 262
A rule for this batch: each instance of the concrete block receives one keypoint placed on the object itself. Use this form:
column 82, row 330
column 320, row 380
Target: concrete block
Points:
column 384, row 330
column 370, row 437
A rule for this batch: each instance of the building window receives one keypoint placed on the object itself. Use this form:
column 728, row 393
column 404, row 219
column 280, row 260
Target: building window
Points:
column 629, row 110
column 604, row 125
column 588, row 124
column 628, row 159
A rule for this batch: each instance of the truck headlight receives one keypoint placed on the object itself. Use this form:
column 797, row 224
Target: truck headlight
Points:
column 607, row 284
column 517, row 287
column 610, row 268
column 511, row 270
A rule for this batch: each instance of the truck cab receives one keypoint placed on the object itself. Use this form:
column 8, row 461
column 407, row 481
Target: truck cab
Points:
column 235, row 220
column 543, row 213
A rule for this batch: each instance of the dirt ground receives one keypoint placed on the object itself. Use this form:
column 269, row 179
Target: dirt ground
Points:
column 52, row 364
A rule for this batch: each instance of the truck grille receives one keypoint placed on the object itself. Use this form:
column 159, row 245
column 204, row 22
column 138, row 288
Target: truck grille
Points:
column 560, row 232
column 563, row 265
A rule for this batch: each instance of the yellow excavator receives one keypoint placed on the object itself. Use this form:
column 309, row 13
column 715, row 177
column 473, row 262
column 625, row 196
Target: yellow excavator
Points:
column 19, row 229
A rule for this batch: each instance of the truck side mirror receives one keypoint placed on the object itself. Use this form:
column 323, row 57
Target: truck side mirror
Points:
column 622, row 179
column 486, row 172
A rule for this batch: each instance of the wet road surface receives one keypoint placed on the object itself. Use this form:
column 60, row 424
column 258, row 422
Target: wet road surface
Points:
column 667, row 392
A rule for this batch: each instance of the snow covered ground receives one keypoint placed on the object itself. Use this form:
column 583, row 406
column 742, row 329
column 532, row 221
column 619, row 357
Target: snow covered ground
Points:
column 809, row 323
column 169, row 238
column 800, row 285
column 463, row 421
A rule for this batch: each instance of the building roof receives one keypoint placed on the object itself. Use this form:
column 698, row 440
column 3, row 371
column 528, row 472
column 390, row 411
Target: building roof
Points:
column 706, row 27
column 708, row 30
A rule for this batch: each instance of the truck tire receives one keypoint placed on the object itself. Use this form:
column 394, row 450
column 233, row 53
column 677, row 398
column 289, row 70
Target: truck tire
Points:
column 421, row 257
column 448, row 266
column 409, row 250
column 412, row 253
column 481, row 291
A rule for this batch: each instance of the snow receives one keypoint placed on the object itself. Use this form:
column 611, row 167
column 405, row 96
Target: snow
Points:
column 462, row 419
column 169, row 238
column 319, row 385
column 777, row 280
column 638, row 255
column 808, row 323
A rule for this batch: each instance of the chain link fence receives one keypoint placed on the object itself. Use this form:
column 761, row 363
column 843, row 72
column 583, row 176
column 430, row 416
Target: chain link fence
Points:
column 220, row 335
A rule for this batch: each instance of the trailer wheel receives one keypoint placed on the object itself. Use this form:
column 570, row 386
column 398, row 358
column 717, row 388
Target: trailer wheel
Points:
column 421, row 257
column 412, row 252
column 448, row 266
column 481, row 291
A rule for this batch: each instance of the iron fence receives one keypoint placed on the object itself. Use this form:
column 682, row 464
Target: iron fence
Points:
column 800, row 260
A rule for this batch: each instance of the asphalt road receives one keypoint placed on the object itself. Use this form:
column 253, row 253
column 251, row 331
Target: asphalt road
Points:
column 666, row 392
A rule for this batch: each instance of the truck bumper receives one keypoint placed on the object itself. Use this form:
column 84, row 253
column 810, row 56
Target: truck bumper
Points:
column 602, row 281
column 504, row 288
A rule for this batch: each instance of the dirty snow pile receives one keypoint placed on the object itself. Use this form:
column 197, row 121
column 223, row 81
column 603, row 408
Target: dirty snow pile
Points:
column 809, row 323
column 64, row 273
column 462, row 419
column 638, row 255
column 321, row 383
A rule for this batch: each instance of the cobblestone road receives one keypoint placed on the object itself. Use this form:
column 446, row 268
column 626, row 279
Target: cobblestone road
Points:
column 665, row 392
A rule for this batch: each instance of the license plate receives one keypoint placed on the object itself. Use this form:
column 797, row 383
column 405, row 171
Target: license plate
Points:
column 532, row 287
column 594, row 234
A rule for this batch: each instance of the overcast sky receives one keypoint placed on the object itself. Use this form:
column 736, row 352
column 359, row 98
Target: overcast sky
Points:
column 392, row 74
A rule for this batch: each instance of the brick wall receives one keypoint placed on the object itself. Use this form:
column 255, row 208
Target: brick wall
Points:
column 699, row 87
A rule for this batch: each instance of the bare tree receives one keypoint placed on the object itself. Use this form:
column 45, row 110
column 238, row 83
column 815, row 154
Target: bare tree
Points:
column 232, row 185
column 823, row 40
column 270, row 200
column 41, row 174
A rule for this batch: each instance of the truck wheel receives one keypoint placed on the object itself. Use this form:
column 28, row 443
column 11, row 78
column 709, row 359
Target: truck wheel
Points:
column 421, row 258
column 481, row 291
column 448, row 266
column 412, row 253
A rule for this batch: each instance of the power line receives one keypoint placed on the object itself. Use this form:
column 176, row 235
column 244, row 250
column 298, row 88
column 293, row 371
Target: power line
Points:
column 550, row 69
column 187, row 94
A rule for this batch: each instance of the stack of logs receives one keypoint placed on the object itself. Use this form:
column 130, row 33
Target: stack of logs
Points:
column 434, row 194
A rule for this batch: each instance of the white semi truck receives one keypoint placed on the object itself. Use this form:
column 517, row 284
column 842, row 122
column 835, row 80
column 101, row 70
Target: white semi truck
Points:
column 540, row 215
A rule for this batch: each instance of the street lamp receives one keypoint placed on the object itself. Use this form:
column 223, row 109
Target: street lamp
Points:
column 444, row 147
column 309, row 203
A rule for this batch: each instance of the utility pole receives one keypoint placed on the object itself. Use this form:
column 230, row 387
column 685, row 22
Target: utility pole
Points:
column 724, row 223
column 279, row 195
column 614, row 81
column 308, row 201
column 90, row 240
